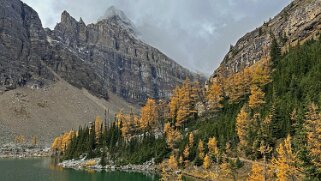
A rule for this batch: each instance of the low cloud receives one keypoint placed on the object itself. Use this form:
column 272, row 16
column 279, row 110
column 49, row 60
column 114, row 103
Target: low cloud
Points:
column 195, row 33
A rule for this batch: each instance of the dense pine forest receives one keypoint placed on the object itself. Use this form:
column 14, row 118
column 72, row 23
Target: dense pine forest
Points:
column 264, row 120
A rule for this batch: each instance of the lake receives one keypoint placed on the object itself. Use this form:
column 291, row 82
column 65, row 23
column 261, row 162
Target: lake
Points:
column 43, row 169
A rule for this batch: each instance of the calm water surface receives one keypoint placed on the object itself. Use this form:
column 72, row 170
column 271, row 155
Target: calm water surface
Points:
column 43, row 169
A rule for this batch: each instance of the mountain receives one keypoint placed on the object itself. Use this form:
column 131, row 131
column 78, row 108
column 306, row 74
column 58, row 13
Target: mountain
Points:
column 83, row 68
column 119, row 61
column 260, row 114
column 299, row 21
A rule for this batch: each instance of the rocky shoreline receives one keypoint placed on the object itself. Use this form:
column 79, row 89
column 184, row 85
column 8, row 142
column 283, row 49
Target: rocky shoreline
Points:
column 23, row 151
column 93, row 164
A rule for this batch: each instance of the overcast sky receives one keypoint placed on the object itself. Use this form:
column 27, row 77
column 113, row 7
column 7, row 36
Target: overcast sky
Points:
column 195, row 33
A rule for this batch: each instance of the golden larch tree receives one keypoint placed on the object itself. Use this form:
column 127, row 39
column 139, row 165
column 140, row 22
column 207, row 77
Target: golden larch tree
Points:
column 207, row 162
column 61, row 142
column 284, row 163
column 172, row 162
column 181, row 160
column 242, row 125
column 188, row 95
column 34, row 140
column 214, row 96
column 184, row 101
column 174, row 103
column 261, row 73
column 225, row 169
column 312, row 126
column 56, row 145
column 191, row 139
column 122, row 120
column 149, row 114
column 186, row 155
column 186, row 152
column 20, row 139
column 98, row 127
column 256, row 98
column 127, row 125
column 212, row 147
column 200, row 149
column 257, row 173
column 66, row 139
column 172, row 135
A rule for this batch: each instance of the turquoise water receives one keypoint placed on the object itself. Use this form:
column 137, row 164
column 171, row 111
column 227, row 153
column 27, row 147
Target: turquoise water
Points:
column 45, row 170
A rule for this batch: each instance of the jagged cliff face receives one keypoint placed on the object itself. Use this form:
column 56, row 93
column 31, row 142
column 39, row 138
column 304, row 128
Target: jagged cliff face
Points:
column 103, row 57
column 297, row 22
column 118, row 60
column 22, row 44
column 42, row 69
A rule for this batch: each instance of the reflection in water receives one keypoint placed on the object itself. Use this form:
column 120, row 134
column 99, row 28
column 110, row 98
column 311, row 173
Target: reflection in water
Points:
column 90, row 171
column 53, row 164
column 48, row 170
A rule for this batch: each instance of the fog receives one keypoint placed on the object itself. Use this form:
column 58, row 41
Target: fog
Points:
column 195, row 33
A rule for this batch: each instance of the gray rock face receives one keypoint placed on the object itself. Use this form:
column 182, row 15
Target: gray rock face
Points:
column 297, row 22
column 103, row 57
column 22, row 45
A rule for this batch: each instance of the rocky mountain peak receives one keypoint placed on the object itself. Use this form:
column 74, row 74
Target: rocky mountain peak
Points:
column 116, row 16
column 298, row 22
column 66, row 18
column 113, row 12
column 81, row 21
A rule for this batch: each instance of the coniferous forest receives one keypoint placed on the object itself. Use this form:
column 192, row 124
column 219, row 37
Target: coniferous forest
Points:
column 264, row 120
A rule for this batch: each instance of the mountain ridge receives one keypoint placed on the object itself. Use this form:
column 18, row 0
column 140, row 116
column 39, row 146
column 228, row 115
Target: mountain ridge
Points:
column 94, row 58
column 298, row 21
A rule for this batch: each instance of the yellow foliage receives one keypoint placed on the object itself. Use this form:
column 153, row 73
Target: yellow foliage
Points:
column 167, row 127
column 207, row 162
column 98, row 126
column 183, row 101
column 285, row 161
column 90, row 163
column 200, row 149
column 225, row 169
column 172, row 162
column 149, row 114
column 57, row 143
column 127, row 123
column 312, row 126
column 212, row 175
column 34, row 140
column 242, row 124
column 172, row 135
column 239, row 84
column 235, row 87
column 256, row 98
column 163, row 110
column 261, row 74
column 186, row 152
column 179, row 177
column 215, row 96
column 257, row 172
column 61, row 142
column 187, row 100
column 20, row 139
column 182, row 113
column 181, row 160
column 191, row 139
column 212, row 146
column 164, row 175
column 174, row 103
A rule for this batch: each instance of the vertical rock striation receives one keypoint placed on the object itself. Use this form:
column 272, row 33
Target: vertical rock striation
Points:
column 103, row 57
column 297, row 22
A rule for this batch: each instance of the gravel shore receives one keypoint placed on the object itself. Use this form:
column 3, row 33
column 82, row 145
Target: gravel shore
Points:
column 93, row 164
column 12, row 150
